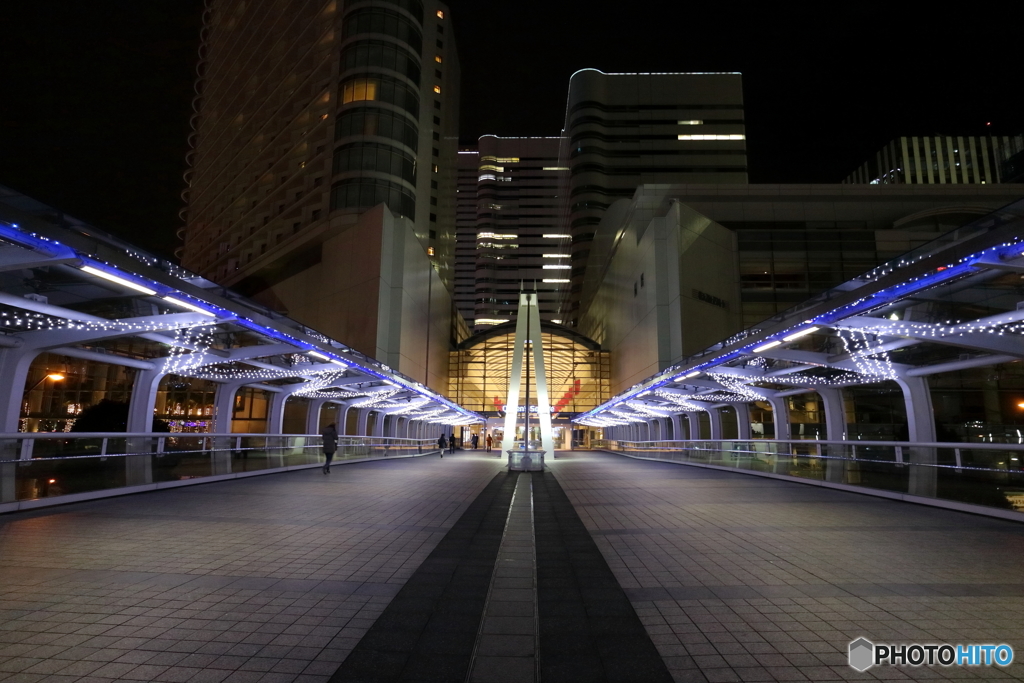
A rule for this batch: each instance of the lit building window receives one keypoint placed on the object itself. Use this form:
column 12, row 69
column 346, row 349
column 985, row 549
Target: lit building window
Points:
column 733, row 136
column 557, row 266
column 551, row 236
column 555, row 168
column 437, row 89
column 430, row 251
column 492, row 167
column 437, row 58
column 440, row 14
column 486, row 176
column 692, row 122
column 506, row 160
column 359, row 90
column 434, row 168
column 323, row 117
column 495, row 236
column 556, row 256
column 554, row 280
column 490, row 321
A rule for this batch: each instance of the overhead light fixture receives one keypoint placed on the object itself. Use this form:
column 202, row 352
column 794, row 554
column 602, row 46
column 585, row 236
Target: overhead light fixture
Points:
column 801, row 333
column 119, row 280
column 317, row 354
column 691, row 374
column 554, row 236
column 765, row 347
column 55, row 376
column 338, row 362
column 554, row 280
column 189, row 306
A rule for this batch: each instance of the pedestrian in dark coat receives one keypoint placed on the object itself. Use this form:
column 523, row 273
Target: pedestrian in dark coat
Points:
column 476, row 441
column 330, row 442
column 442, row 443
column 451, row 442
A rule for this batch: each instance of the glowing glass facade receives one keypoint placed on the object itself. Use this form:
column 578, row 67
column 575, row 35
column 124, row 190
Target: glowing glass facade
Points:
column 577, row 369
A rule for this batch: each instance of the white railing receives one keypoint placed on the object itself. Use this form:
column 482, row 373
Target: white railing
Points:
column 985, row 474
column 64, row 466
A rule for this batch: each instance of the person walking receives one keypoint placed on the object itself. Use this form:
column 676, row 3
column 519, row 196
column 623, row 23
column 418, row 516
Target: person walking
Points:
column 451, row 442
column 476, row 441
column 489, row 443
column 330, row 443
column 442, row 443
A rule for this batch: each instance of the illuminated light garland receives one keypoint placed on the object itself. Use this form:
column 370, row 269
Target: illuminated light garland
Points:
column 736, row 385
column 683, row 401
column 648, row 410
column 188, row 350
column 867, row 353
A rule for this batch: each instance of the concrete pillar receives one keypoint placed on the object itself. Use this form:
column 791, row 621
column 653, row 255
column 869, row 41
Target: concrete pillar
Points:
column 224, row 406
column 921, row 429
column 715, row 417
column 143, row 400
column 692, row 418
column 362, row 421
column 313, row 416
column 14, row 366
column 275, row 411
column 835, row 428
column 742, row 421
column 780, row 418
column 677, row 428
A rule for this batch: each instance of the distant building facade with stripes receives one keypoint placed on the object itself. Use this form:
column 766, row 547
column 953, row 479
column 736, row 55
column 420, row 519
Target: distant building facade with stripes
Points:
column 941, row 159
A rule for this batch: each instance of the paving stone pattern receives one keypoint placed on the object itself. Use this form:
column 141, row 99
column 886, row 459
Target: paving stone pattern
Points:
column 589, row 631
column 742, row 578
column 273, row 578
column 506, row 647
column 428, row 631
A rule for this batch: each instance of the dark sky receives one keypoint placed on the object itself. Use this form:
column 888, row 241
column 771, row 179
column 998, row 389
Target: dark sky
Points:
column 97, row 95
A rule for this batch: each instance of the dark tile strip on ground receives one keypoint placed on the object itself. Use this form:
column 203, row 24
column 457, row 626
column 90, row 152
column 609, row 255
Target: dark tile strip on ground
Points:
column 589, row 631
column 428, row 631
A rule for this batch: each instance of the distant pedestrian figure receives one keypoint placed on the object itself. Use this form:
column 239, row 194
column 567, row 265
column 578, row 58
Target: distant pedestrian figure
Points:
column 451, row 442
column 330, row 442
column 442, row 443
column 489, row 443
column 476, row 441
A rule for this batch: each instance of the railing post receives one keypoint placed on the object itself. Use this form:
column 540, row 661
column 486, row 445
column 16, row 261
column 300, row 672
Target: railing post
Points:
column 26, row 448
column 959, row 463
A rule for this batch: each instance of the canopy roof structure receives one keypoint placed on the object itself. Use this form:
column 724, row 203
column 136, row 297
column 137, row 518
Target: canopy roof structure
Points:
column 954, row 303
column 67, row 288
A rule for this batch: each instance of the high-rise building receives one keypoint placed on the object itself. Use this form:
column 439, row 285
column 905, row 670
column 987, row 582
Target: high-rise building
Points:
column 941, row 159
column 311, row 113
column 509, row 229
column 625, row 130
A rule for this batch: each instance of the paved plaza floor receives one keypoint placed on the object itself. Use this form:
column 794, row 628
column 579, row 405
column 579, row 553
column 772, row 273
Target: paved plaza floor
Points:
column 281, row 577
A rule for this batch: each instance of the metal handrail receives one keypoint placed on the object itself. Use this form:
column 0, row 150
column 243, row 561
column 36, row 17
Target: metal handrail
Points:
column 963, row 445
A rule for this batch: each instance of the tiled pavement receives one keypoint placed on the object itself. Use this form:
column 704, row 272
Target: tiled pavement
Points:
column 273, row 578
column 276, row 578
column 741, row 578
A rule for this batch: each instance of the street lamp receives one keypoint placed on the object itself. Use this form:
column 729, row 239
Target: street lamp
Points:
column 55, row 376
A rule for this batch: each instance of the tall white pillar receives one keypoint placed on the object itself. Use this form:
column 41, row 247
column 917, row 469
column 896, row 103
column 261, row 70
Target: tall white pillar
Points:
column 742, row 421
column 694, row 421
column 715, row 418
column 780, row 417
column 528, row 318
column 921, row 429
column 835, row 428
column 14, row 367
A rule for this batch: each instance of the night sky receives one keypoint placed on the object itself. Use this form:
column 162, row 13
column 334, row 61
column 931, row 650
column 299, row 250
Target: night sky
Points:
column 97, row 96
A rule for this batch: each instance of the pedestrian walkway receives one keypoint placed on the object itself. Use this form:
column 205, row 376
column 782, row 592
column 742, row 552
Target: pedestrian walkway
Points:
column 273, row 578
column 743, row 578
column 427, row 569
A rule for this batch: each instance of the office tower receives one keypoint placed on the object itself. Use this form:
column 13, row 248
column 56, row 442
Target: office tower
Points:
column 943, row 159
column 677, row 268
column 509, row 229
column 311, row 113
column 467, row 171
column 624, row 130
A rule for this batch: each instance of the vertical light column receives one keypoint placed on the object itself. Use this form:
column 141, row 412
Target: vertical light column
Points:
column 528, row 316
